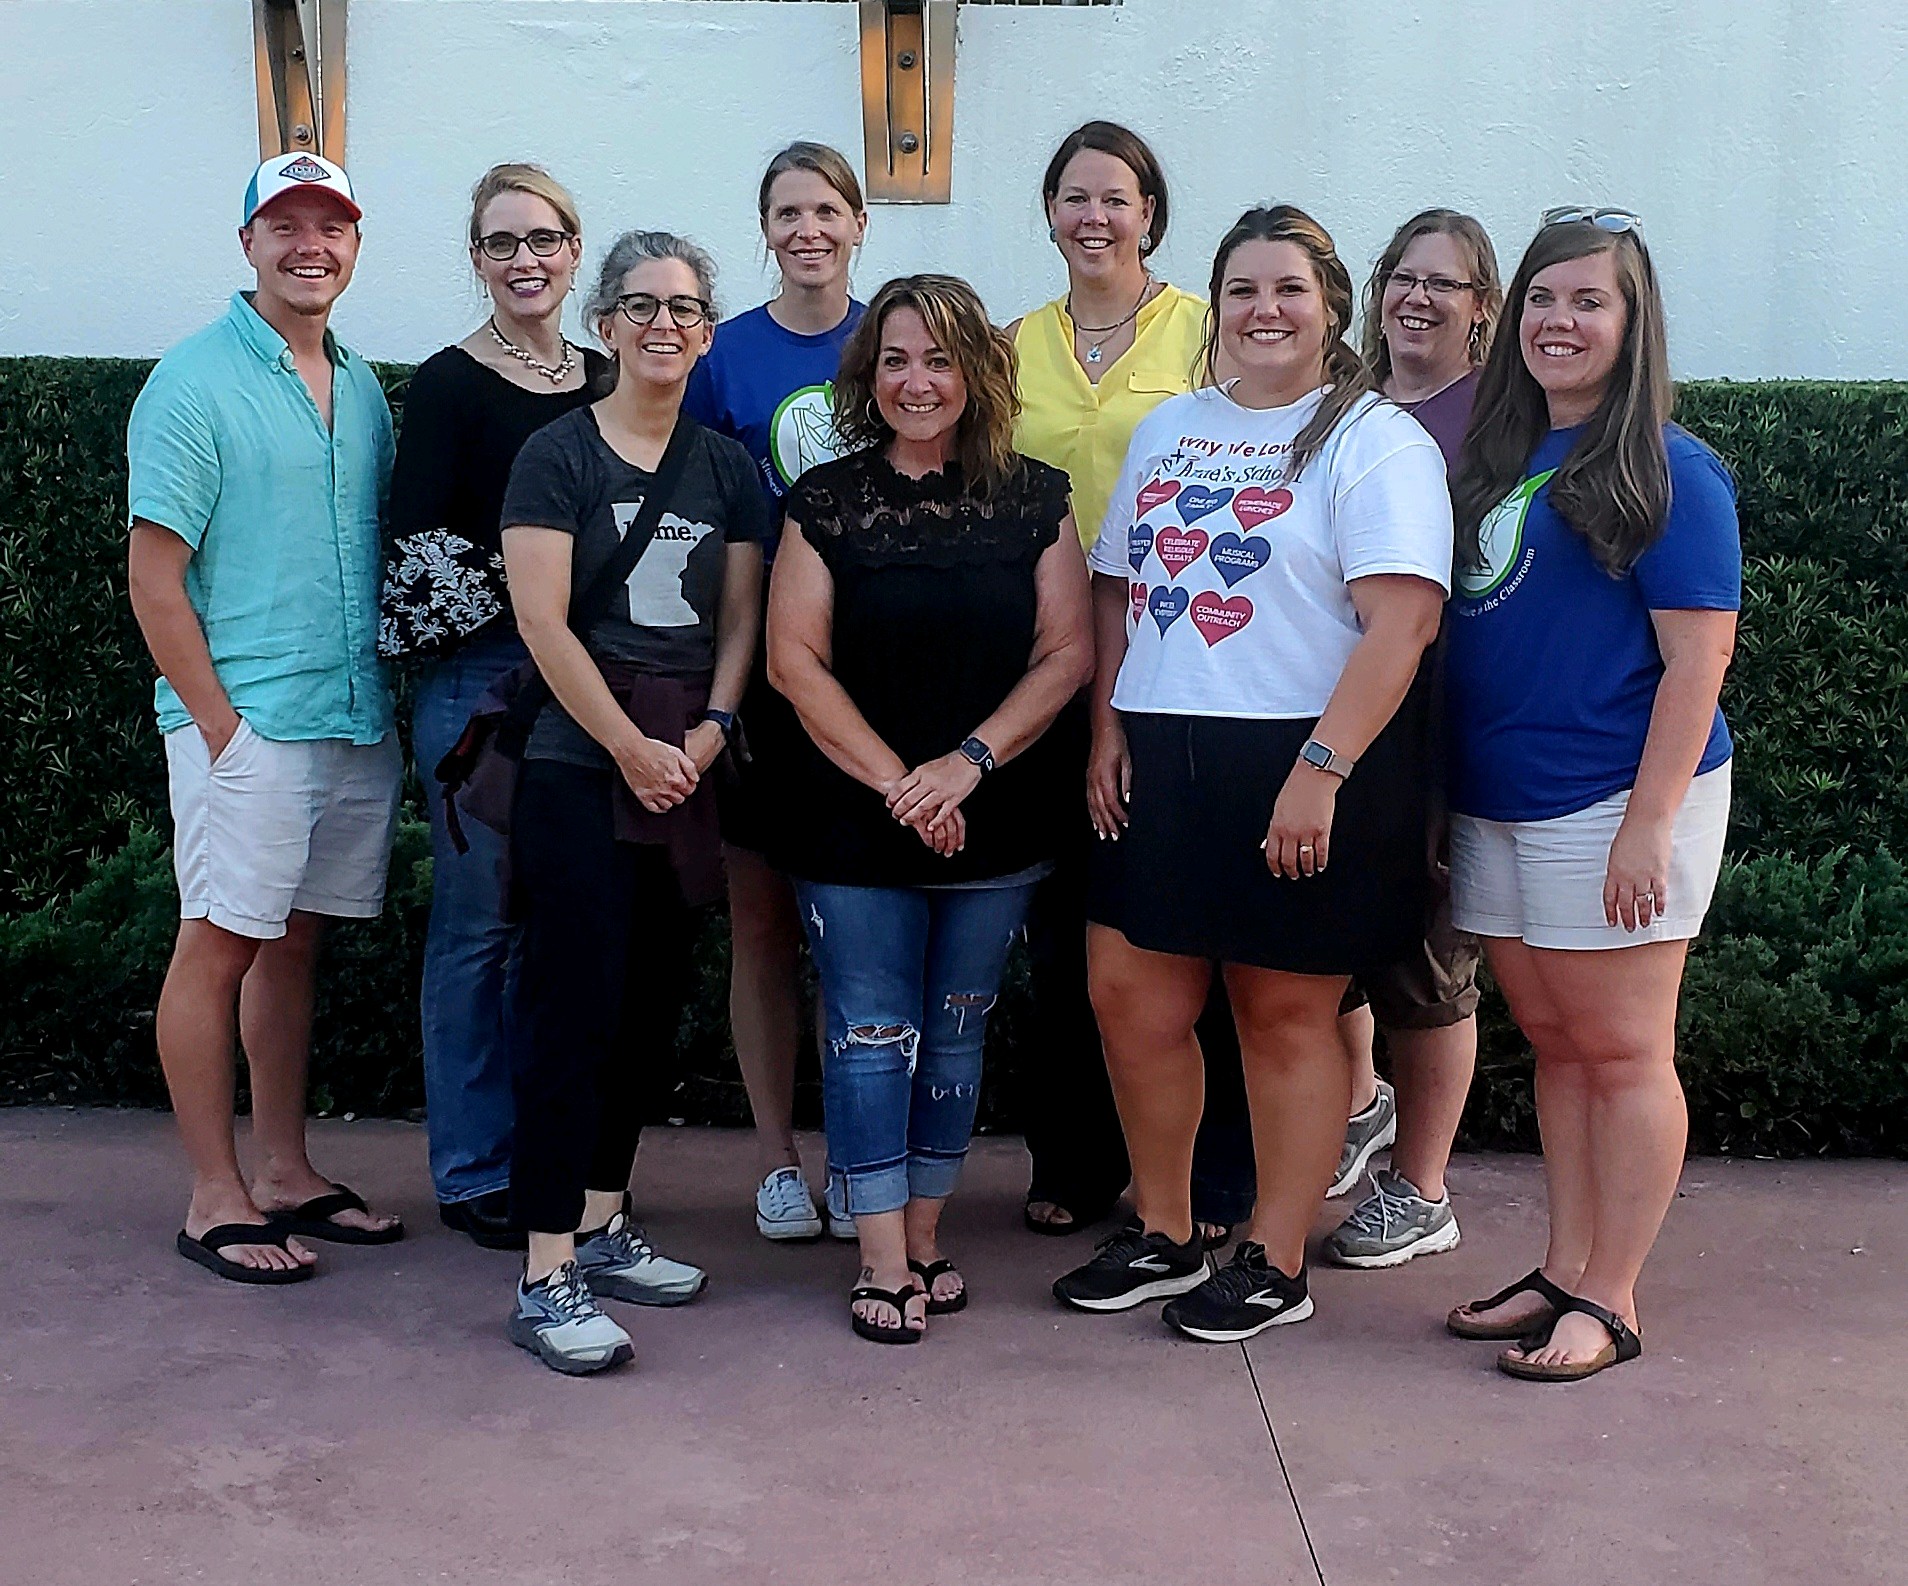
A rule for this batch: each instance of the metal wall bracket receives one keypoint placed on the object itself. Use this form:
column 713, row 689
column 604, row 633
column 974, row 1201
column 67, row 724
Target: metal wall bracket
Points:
column 907, row 99
column 299, row 47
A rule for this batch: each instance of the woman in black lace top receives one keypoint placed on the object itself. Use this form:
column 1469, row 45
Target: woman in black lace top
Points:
column 928, row 619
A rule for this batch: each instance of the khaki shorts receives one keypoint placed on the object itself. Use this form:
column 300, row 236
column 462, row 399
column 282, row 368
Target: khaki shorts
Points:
column 270, row 827
column 1435, row 986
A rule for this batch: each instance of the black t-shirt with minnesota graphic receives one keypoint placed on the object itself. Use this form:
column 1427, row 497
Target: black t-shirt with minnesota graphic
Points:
column 567, row 478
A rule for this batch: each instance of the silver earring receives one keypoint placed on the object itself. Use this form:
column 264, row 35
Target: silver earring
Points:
column 1052, row 235
column 1146, row 244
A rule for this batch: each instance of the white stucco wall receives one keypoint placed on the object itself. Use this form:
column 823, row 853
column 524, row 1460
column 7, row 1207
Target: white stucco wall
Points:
column 1762, row 141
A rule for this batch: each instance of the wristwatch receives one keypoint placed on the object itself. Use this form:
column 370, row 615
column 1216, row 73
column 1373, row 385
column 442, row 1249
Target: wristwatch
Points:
column 725, row 719
column 978, row 755
column 1322, row 758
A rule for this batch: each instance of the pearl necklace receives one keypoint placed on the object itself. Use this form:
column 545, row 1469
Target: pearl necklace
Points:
column 556, row 374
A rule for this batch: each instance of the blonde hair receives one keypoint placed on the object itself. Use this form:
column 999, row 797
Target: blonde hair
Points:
column 1475, row 242
column 519, row 176
column 956, row 319
column 1344, row 368
column 830, row 164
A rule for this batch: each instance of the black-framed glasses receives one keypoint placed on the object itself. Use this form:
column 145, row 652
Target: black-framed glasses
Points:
column 1611, row 220
column 1436, row 285
column 685, row 312
column 545, row 242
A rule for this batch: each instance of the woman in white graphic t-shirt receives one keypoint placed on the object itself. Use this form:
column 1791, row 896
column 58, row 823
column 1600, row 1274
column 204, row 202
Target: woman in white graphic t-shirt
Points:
column 1269, row 574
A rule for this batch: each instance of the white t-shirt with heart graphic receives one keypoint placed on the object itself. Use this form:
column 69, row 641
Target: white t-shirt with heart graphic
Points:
column 1237, row 577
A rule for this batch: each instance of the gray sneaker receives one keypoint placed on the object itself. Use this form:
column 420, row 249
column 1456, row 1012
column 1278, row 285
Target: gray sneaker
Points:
column 1392, row 1226
column 558, row 1322
column 619, row 1263
column 1368, row 1133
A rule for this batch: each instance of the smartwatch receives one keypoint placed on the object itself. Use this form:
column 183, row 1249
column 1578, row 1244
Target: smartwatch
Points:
column 725, row 719
column 978, row 755
column 1321, row 758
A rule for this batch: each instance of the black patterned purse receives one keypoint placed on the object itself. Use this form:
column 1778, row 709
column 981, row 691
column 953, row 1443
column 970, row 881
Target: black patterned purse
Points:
column 439, row 589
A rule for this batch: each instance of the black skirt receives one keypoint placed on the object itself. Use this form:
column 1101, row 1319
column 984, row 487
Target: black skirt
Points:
column 1189, row 875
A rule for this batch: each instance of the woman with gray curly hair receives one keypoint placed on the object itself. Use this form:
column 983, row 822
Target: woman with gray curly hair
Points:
column 644, row 649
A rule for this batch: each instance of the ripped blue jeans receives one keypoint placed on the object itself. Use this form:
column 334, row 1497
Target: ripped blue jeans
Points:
column 908, row 976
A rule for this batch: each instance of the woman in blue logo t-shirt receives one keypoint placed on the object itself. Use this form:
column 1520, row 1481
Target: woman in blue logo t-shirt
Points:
column 1598, row 579
column 768, row 382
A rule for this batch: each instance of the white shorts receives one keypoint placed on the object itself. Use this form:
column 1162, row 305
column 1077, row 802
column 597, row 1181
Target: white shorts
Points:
column 273, row 827
column 1542, row 881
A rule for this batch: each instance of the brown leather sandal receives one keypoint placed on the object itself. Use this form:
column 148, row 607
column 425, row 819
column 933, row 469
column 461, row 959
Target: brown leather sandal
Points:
column 1461, row 1326
column 1624, row 1345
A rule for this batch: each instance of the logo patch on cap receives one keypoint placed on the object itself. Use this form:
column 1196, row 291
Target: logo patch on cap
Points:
column 305, row 169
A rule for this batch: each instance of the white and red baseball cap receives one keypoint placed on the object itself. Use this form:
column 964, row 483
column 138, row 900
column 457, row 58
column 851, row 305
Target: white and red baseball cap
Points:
column 289, row 173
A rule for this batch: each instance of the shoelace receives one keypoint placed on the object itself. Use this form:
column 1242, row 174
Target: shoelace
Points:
column 628, row 1241
column 788, row 1196
column 1120, row 1246
column 1237, row 1280
column 567, row 1294
column 1374, row 1215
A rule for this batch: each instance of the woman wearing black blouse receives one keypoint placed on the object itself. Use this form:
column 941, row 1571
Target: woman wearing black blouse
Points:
column 468, row 411
column 928, row 618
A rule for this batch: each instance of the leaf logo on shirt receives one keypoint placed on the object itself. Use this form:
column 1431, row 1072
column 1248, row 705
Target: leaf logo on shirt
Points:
column 1500, row 539
column 802, row 433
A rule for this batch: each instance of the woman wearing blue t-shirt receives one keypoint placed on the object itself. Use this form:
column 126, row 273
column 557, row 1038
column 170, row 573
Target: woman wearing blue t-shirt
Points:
column 1598, row 578
column 768, row 382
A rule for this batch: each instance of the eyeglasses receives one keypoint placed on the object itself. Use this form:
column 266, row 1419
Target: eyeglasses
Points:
column 1611, row 220
column 685, row 312
column 1437, row 285
column 543, row 242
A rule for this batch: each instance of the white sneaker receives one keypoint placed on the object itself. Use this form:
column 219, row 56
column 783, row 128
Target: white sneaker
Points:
column 784, row 1208
column 840, row 1224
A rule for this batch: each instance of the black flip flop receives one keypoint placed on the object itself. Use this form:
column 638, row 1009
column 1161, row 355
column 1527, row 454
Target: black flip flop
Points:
column 927, row 1272
column 205, row 1252
column 1219, row 1238
column 874, row 1331
column 1079, row 1224
column 1624, row 1345
column 313, row 1220
column 1508, row 1332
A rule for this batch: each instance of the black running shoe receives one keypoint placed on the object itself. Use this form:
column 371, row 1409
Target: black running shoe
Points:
column 1241, row 1300
column 1130, row 1267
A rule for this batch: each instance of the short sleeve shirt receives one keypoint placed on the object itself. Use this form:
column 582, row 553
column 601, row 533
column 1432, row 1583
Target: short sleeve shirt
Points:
column 1553, row 664
column 773, row 390
column 1237, row 573
column 227, row 449
column 568, row 478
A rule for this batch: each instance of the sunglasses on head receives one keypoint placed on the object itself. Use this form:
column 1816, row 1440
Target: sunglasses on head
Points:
column 1611, row 220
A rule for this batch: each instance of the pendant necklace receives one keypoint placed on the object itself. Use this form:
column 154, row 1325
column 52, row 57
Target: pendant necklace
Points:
column 556, row 374
column 1107, row 332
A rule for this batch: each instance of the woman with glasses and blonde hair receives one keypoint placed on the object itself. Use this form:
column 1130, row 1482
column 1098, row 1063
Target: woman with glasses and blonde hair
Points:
column 1270, row 572
column 613, row 833
column 467, row 411
column 927, row 621
column 768, row 382
column 1599, row 573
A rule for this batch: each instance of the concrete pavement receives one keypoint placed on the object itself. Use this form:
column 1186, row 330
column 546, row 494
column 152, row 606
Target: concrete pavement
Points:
column 375, row 1427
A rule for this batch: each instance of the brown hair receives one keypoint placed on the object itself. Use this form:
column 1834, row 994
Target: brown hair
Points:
column 1614, row 487
column 1132, row 151
column 830, row 164
column 955, row 318
column 519, row 176
column 1475, row 241
column 1345, row 370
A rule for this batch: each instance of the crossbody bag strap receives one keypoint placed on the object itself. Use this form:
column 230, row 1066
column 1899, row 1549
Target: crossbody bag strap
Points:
column 588, row 606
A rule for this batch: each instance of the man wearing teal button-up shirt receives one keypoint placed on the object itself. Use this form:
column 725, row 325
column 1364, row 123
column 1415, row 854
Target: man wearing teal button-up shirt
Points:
column 259, row 455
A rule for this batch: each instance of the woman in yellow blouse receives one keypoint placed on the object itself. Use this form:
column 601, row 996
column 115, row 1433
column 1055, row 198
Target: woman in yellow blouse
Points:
column 1092, row 364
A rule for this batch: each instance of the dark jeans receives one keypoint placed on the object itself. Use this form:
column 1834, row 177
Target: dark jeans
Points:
column 607, row 943
column 1073, row 1128
column 470, row 949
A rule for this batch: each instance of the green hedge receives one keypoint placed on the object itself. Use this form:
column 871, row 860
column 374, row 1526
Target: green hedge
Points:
column 1793, row 1030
